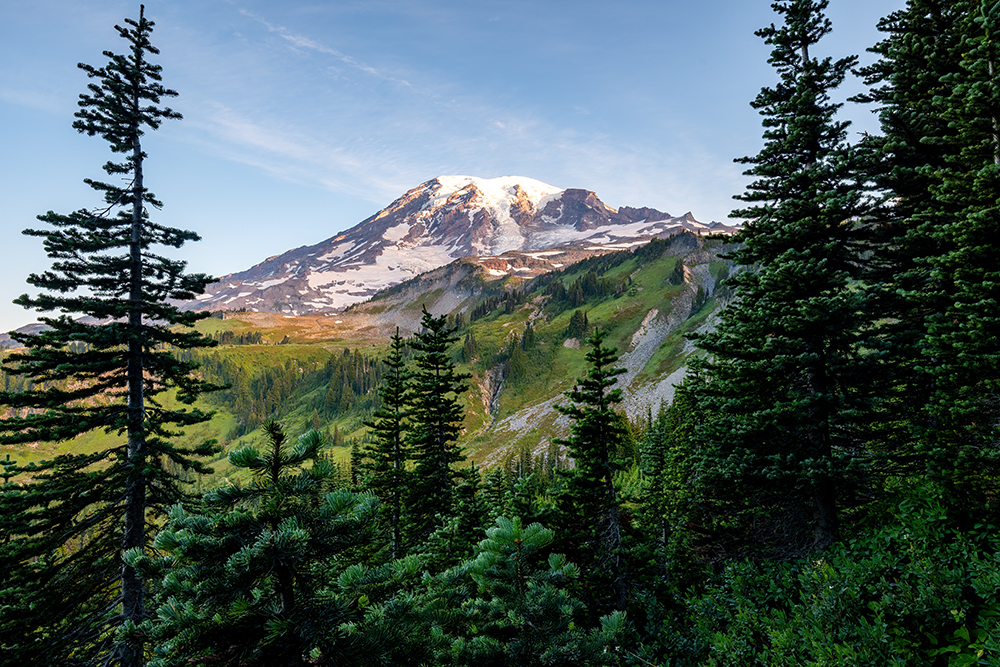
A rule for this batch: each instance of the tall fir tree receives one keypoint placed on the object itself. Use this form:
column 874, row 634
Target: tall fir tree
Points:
column 784, row 376
column 962, row 344
column 435, row 418
column 918, row 56
column 590, row 505
column 937, row 165
column 108, row 370
column 386, row 458
column 664, row 501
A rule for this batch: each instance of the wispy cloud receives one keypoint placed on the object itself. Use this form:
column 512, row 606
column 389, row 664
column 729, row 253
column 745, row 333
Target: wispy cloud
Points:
column 303, row 42
column 374, row 141
column 232, row 127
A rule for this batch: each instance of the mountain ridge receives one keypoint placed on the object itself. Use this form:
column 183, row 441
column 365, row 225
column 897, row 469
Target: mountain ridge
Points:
column 441, row 220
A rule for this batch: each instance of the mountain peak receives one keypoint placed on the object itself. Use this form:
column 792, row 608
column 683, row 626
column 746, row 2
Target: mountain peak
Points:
column 433, row 224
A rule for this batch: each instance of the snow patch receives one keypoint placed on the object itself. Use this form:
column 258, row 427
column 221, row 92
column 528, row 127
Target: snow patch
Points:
column 394, row 234
column 337, row 252
column 270, row 283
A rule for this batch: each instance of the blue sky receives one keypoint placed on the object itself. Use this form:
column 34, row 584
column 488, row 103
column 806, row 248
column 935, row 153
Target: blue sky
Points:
column 303, row 118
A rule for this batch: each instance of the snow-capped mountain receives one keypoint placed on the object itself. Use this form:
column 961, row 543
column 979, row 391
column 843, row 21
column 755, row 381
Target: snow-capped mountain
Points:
column 437, row 222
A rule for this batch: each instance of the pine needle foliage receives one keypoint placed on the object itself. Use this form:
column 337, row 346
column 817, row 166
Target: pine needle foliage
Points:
column 247, row 578
column 934, row 286
column 104, row 361
column 784, row 378
column 590, row 504
column 385, row 459
column 526, row 612
column 962, row 348
column 435, row 420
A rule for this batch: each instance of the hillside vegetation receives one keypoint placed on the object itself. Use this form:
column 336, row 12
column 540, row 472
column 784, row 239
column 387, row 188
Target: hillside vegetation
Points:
column 321, row 371
column 781, row 448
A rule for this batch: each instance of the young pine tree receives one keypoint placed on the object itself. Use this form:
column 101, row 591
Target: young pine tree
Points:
column 435, row 419
column 386, row 458
column 103, row 363
column 590, row 505
column 248, row 578
column 525, row 612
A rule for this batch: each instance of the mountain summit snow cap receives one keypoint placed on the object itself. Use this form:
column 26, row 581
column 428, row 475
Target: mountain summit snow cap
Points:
column 431, row 225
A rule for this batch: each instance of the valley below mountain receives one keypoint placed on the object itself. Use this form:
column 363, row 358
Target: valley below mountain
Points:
column 515, row 339
column 513, row 263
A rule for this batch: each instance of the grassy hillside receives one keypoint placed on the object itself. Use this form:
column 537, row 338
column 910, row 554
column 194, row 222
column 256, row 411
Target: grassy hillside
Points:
column 520, row 340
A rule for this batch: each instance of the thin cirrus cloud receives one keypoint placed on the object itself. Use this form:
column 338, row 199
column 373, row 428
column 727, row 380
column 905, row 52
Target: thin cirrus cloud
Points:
column 364, row 138
column 374, row 149
column 304, row 42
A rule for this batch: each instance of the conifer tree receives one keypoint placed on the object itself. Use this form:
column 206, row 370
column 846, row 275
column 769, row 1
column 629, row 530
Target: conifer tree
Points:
column 590, row 505
column 469, row 347
column 665, row 461
column 109, row 371
column 435, row 418
column 962, row 342
column 783, row 380
column 525, row 612
column 248, row 578
column 577, row 325
column 918, row 59
column 937, row 165
column 386, row 458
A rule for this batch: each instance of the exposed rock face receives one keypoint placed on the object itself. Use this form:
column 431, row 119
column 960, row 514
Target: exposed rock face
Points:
column 444, row 219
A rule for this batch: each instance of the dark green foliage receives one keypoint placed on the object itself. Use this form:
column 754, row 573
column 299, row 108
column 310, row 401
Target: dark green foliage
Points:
column 586, row 287
column 590, row 506
column 526, row 612
column 58, row 561
column 933, row 283
column 246, row 579
column 510, row 299
column 666, row 500
column 435, row 418
column 351, row 377
column 961, row 348
column 469, row 348
column 528, row 337
column 578, row 325
column 233, row 338
column 915, row 592
column 785, row 380
column 396, row 620
column 385, row 458
column 519, row 368
column 677, row 275
column 455, row 538
column 109, row 369
column 257, row 391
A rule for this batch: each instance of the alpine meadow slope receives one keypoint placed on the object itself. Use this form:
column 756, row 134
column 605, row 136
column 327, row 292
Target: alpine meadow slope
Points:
column 516, row 339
